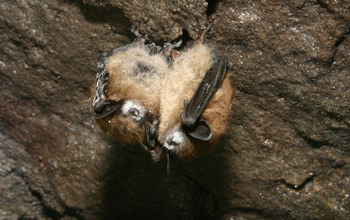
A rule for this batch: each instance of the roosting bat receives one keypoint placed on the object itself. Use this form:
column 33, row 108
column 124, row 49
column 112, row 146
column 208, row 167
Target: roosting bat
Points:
column 127, row 89
column 196, row 100
column 175, row 102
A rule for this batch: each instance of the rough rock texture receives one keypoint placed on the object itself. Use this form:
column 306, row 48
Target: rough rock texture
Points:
column 162, row 19
column 287, row 152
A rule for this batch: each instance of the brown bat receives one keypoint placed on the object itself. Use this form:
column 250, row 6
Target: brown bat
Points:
column 127, row 90
column 175, row 102
column 195, row 102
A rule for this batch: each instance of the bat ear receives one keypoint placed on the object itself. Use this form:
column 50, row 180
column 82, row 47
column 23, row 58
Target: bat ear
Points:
column 201, row 131
column 103, row 109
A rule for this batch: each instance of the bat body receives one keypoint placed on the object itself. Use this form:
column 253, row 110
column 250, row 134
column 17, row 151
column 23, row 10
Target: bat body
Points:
column 127, row 90
column 176, row 102
column 196, row 101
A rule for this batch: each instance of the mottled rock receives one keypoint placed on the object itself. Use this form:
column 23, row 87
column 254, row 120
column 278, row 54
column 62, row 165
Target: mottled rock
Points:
column 286, row 154
column 162, row 19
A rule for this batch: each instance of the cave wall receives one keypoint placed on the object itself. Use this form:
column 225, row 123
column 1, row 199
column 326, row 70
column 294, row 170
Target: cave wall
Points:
column 286, row 153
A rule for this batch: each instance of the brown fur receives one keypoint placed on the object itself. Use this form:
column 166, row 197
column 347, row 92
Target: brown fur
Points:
column 217, row 116
column 188, row 71
column 162, row 93
column 122, row 85
column 146, row 89
column 122, row 129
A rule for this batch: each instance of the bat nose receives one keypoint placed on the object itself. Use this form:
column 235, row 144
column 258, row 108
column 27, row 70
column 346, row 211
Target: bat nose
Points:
column 171, row 143
column 174, row 140
column 134, row 112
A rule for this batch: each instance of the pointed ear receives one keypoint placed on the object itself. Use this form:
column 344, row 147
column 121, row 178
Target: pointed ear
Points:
column 105, row 109
column 201, row 131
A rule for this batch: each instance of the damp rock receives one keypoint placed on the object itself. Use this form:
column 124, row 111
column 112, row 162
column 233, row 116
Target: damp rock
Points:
column 163, row 20
column 287, row 149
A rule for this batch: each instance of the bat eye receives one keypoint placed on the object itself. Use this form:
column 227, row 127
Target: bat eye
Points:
column 103, row 109
column 134, row 110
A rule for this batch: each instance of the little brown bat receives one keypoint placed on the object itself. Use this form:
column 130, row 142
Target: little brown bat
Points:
column 176, row 102
column 196, row 100
column 127, row 90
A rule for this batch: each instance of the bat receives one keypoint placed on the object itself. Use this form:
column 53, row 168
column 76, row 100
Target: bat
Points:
column 127, row 92
column 195, row 102
column 173, row 102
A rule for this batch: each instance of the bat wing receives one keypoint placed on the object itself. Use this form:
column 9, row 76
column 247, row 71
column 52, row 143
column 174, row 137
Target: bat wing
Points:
column 106, row 109
column 193, row 110
column 101, row 106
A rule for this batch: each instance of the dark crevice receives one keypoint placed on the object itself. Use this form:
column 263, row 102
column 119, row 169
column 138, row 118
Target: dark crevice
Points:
column 325, row 6
column 52, row 213
column 337, row 44
column 185, row 37
column 73, row 212
column 257, row 212
column 296, row 187
column 336, row 116
column 211, row 6
column 333, row 163
column 311, row 142
column 27, row 217
column 19, row 40
column 201, row 187
column 338, row 164
column 105, row 13
column 342, row 38
column 48, row 211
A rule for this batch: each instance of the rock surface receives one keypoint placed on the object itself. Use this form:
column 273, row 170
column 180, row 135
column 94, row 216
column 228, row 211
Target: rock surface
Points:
column 287, row 152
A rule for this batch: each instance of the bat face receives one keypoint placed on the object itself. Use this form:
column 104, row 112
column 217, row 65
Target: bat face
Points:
column 176, row 102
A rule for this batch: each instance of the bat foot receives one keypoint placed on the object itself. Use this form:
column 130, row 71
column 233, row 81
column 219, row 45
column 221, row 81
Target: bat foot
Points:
column 152, row 132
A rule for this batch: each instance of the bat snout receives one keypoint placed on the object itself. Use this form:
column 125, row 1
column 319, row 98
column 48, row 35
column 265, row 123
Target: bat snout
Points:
column 134, row 113
column 174, row 139
column 134, row 110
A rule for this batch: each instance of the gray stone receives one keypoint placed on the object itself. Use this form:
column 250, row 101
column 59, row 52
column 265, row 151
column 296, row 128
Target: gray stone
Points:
column 286, row 153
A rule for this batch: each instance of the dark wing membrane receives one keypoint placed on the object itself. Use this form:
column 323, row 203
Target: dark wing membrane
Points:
column 99, row 103
column 212, row 81
column 200, row 131
column 106, row 109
